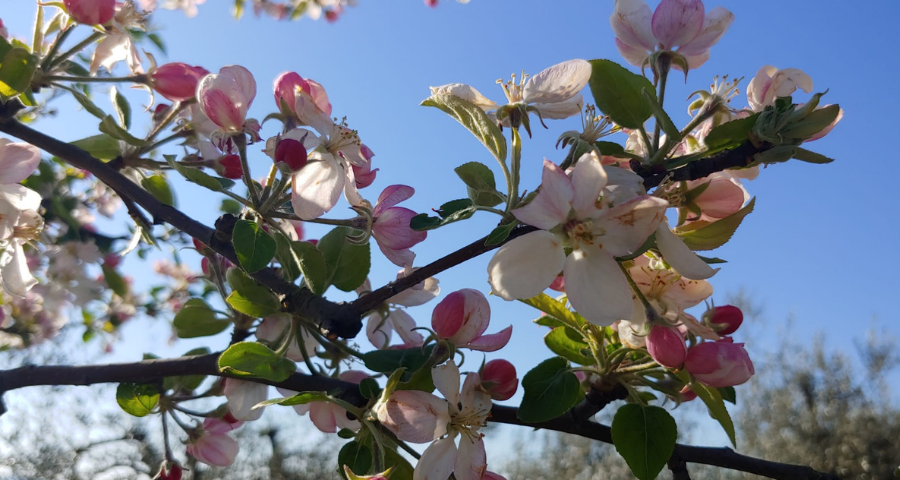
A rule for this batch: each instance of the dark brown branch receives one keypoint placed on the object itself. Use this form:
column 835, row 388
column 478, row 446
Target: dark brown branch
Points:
column 679, row 468
column 740, row 156
column 152, row 370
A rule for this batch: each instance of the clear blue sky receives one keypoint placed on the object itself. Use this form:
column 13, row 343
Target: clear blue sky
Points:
column 810, row 249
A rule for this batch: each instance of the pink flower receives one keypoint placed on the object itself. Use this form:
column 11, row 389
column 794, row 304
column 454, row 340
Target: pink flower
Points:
column 719, row 364
column 726, row 319
column 212, row 446
column 498, row 378
column 666, row 345
column 177, row 81
column 91, row 12
column 291, row 153
column 679, row 24
column 771, row 83
column 326, row 416
column 363, row 173
column 391, row 227
column 462, row 317
column 4, row 32
column 289, row 86
column 723, row 196
column 225, row 97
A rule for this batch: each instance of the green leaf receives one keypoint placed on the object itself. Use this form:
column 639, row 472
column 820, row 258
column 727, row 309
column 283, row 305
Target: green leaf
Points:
column 250, row 298
column 251, row 359
column 301, row 398
column 805, row 155
column 197, row 319
column 728, row 394
column 305, row 258
column 16, row 71
column 713, row 400
column 100, row 146
column 673, row 135
column 730, row 134
column 198, row 176
column 159, row 188
column 570, row 344
column 645, row 437
column 555, row 308
column 387, row 361
column 811, row 124
column 115, row 281
column 123, row 109
column 501, row 233
column 452, row 211
column 550, row 391
column 474, row 119
column 369, row 388
column 480, row 183
column 357, row 456
column 713, row 235
column 157, row 40
column 401, row 469
column 253, row 246
column 136, row 398
column 231, row 206
column 613, row 149
column 617, row 93
column 109, row 126
column 347, row 263
column 86, row 103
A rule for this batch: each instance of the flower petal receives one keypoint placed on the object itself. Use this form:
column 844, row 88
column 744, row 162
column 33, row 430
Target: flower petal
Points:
column 492, row 342
column 633, row 55
column 676, row 22
column 557, row 83
column 378, row 330
column 322, row 416
column 715, row 24
column 16, row 277
column 625, row 227
column 596, row 287
column 317, row 187
column 561, row 110
column 471, row 459
column 525, row 266
column 554, row 200
column 404, row 325
column 465, row 92
column 242, row 396
column 588, row 179
column 415, row 416
column 437, row 461
column 391, row 229
column 18, row 161
column 392, row 195
column 680, row 257
column 446, row 380
column 630, row 22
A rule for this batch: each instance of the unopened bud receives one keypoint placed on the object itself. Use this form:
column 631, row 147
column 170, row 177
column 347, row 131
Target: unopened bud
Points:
column 498, row 378
column 229, row 166
column 291, row 153
column 725, row 319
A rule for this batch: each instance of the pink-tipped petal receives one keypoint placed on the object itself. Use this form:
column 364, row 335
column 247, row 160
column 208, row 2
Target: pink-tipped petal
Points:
column 554, row 200
column 631, row 21
column 492, row 342
column 676, row 22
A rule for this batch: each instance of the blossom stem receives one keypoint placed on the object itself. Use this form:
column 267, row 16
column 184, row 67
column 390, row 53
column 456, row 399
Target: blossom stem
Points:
column 663, row 65
column 301, row 342
column 219, row 281
column 77, row 48
column 165, row 429
column 515, row 161
column 286, row 343
column 267, row 189
column 163, row 141
column 340, row 346
column 54, row 47
column 173, row 112
column 379, row 453
column 241, row 141
column 181, row 423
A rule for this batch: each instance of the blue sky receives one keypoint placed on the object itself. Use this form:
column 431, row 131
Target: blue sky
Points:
column 810, row 250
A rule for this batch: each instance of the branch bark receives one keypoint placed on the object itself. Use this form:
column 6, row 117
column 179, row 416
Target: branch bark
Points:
column 153, row 370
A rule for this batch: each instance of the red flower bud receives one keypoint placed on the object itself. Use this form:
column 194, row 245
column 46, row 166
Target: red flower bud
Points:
column 229, row 166
column 177, row 81
column 719, row 364
column 498, row 378
column 292, row 153
column 91, row 12
column 169, row 471
column 726, row 319
column 666, row 346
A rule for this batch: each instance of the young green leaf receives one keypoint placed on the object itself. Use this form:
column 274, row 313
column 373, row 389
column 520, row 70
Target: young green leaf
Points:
column 250, row 298
column 550, row 391
column 570, row 344
column 474, row 119
column 137, row 399
column 197, row 319
column 645, row 437
column 102, row 146
column 251, row 359
column 617, row 93
column 159, row 188
column 714, row 235
column 347, row 263
column 253, row 246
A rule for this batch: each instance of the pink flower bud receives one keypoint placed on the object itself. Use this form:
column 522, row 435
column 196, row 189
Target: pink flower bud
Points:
column 169, row 471
column 559, row 284
column 462, row 317
column 286, row 86
column 112, row 260
column 177, row 81
column 719, row 364
column 666, row 346
column 726, row 319
column 225, row 97
column 229, row 166
column 213, row 449
column 498, row 378
column 291, row 153
column 91, row 12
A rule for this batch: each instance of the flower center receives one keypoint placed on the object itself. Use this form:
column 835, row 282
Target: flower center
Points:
column 579, row 231
column 595, row 126
column 513, row 90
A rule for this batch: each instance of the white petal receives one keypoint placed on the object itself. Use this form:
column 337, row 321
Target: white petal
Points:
column 630, row 22
column 526, row 266
column 446, row 380
column 554, row 200
column 404, row 325
column 557, row 83
column 317, row 187
column 20, row 198
column 378, row 331
column 437, row 461
column 17, row 278
column 588, row 179
column 415, row 416
column 680, row 257
column 242, row 396
column 596, row 287
column 18, row 161
column 471, row 459
column 624, row 228
column 561, row 110
column 465, row 92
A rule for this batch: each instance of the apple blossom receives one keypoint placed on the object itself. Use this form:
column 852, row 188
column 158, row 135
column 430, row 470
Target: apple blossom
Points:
column 289, row 88
column 420, row 417
column 19, row 220
column 675, row 24
column 498, row 379
column 242, row 395
column 273, row 329
column 379, row 329
column 666, row 345
column 462, row 317
column 771, row 83
column 327, row 416
column 225, row 98
column 291, row 153
column 719, row 364
column 91, row 12
column 118, row 44
column 212, row 448
column 565, row 209
column 364, row 174
column 391, row 226
column 723, row 195
column 177, row 81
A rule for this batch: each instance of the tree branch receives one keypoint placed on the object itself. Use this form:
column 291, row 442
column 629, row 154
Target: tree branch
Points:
column 152, row 370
